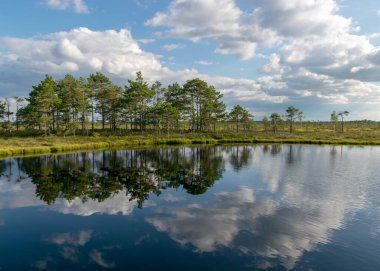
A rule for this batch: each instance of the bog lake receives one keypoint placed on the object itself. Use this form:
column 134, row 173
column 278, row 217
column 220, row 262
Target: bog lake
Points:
column 257, row 207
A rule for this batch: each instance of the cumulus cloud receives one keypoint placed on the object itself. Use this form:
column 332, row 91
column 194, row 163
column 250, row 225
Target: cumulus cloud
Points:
column 240, row 32
column 79, row 6
column 274, row 65
column 301, row 18
column 220, row 20
column 80, row 49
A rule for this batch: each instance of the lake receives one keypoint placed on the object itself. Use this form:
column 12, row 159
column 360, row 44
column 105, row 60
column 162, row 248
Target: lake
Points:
column 264, row 207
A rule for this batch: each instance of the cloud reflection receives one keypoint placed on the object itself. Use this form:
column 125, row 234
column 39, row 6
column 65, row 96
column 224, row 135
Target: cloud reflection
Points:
column 118, row 204
column 73, row 239
column 289, row 217
column 253, row 226
column 98, row 258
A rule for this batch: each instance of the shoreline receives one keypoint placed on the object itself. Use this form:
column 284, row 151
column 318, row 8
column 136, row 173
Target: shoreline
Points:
column 38, row 147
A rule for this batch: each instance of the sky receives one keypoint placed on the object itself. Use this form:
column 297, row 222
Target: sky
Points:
column 266, row 55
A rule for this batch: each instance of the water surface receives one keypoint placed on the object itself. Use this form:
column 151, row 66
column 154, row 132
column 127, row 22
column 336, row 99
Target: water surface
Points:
column 272, row 207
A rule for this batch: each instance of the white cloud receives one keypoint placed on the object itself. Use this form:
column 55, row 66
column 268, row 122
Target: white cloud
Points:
column 301, row 18
column 240, row 32
column 110, row 51
column 273, row 66
column 79, row 6
column 146, row 41
column 203, row 62
column 199, row 18
column 171, row 47
column 220, row 20
column 237, row 90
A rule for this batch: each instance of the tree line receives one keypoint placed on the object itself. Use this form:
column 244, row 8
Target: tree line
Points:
column 70, row 105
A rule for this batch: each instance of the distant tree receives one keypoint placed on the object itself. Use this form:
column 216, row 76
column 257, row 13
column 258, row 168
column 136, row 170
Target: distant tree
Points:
column 240, row 115
column 158, row 91
column 113, row 105
column 300, row 117
column 137, row 97
column 291, row 114
column 205, row 106
column 213, row 109
column 74, row 103
column 28, row 117
column 342, row 115
column 8, row 113
column 83, row 102
column 194, row 89
column 166, row 114
column 334, row 118
column 43, row 103
column 176, row 96
column 266, row 123
column 275, row 119
column 99, row 85
column 18, row 101
column 67, row 93
column 3, row 109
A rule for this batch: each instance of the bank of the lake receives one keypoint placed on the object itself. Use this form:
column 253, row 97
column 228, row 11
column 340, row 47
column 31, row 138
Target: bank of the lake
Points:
column 19, row 146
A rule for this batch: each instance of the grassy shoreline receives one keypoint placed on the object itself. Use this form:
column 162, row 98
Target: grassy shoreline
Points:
column 22, row 146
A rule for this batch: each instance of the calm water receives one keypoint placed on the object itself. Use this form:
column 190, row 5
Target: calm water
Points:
column 212, row 208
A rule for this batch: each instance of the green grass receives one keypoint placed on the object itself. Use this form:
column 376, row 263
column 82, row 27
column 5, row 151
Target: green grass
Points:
column 20, row 146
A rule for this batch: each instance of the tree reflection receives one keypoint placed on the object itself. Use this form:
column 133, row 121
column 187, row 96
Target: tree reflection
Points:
column 240, row 157
column 275, row 149
column 98, row 176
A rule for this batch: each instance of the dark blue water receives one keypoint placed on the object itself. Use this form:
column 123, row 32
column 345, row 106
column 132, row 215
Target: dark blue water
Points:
column 206, row 208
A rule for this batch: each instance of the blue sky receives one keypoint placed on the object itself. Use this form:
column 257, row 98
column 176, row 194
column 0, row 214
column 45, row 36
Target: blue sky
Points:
column 318, row 55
